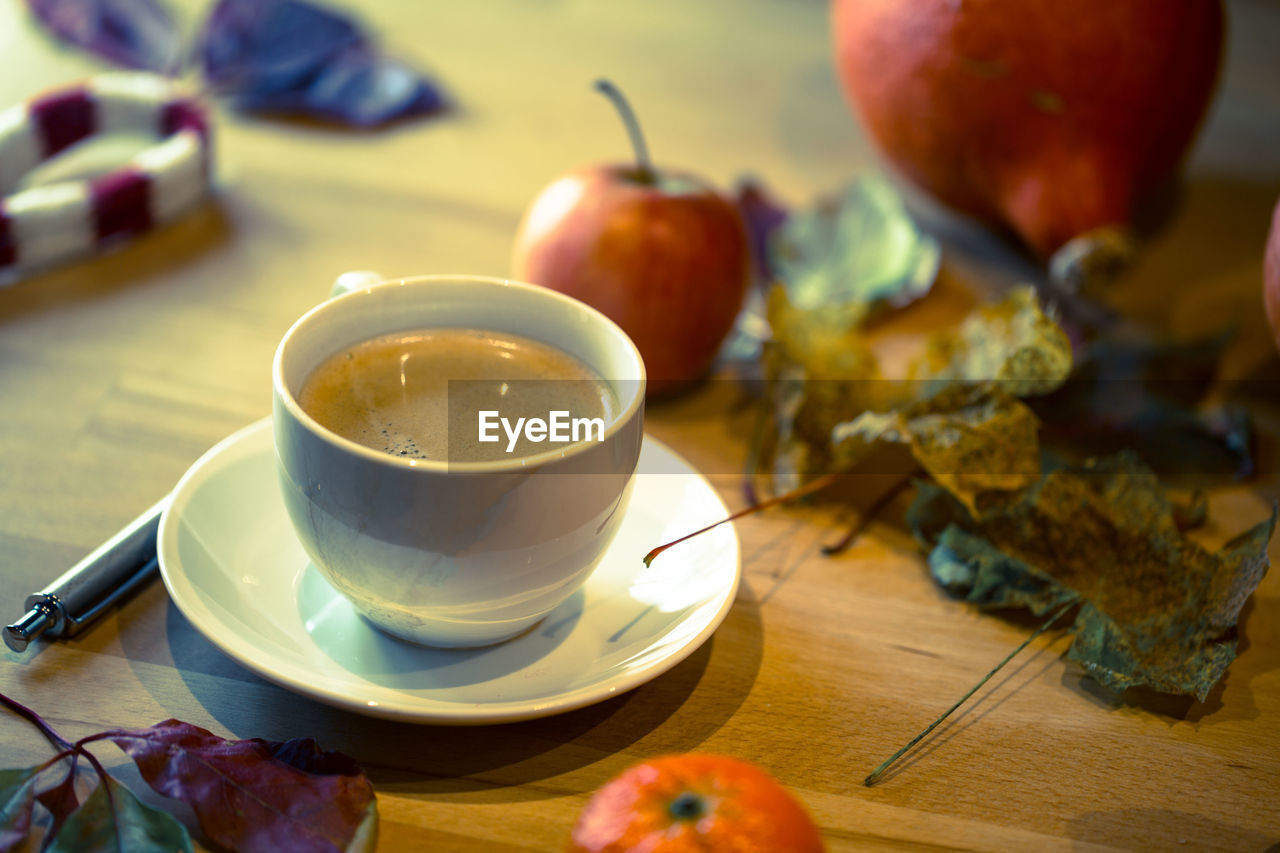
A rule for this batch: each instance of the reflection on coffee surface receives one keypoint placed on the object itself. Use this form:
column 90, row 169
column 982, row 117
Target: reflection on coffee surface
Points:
column 420, row 394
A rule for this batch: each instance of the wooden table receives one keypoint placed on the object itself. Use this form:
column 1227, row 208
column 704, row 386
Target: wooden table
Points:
column 115, row 374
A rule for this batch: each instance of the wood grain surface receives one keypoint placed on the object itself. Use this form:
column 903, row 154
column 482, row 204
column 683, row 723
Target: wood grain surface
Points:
column 118, row 372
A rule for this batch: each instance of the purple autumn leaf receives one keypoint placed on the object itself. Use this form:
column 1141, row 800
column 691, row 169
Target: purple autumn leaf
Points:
column 61, row 800
column 256, row 795
column 762, row 214
column 290, row 56
column 307, row 755
column 263, row 46
column 132, row 33
column 360, row 88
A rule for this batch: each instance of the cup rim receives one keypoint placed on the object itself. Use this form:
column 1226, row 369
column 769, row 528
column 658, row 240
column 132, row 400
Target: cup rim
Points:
column 516, row 464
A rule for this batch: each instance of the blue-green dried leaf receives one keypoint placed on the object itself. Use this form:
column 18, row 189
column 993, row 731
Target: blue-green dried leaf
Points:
column 858, row 251
column 17, row 796
column 113, row 820
column 1158, row 609
column 968, row 565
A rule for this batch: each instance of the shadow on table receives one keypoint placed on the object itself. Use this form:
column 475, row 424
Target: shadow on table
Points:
column 675, row 712
column 148, row 257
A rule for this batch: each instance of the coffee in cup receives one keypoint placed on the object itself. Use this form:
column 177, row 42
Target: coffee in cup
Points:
column 421, row 393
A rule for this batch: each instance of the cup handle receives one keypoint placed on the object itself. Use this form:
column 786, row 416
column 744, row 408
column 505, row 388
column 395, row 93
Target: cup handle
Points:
column 354, row 280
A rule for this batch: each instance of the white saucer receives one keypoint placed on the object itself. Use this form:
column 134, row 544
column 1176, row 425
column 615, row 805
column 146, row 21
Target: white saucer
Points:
column 232, row 565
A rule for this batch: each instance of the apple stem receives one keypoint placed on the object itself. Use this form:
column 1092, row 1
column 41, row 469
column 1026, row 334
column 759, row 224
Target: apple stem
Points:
column 644, row 166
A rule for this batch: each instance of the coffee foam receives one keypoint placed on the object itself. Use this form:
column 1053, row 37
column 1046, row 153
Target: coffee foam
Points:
column 416, row 394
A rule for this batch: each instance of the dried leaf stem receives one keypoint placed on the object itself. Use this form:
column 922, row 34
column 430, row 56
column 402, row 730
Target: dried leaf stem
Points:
column 868, row 515
column 795, row 494
column 875, row 775
column 45, row 729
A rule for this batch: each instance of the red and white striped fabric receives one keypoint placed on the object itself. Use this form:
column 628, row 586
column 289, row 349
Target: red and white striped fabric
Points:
column 51, row 223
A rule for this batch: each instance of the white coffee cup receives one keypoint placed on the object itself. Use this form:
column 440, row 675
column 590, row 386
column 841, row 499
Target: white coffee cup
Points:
column 455, row 553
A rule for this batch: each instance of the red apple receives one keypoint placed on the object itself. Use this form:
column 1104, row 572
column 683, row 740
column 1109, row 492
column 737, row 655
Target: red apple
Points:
column 1271, row 276
column 662, row 253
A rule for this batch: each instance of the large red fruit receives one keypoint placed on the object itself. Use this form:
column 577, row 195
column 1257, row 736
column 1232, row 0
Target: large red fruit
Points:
column 1054, row 118
column 693, row 803
column 1271, row 276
